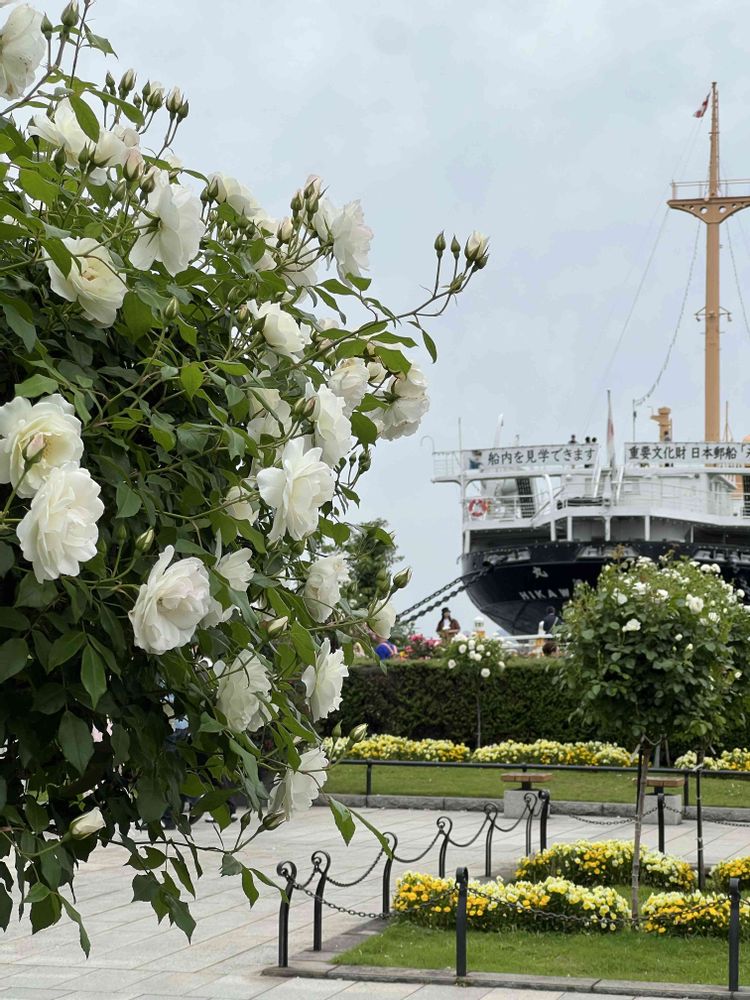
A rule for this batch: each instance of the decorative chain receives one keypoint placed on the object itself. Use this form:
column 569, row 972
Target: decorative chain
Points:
column 348, row 885
column 433, row 901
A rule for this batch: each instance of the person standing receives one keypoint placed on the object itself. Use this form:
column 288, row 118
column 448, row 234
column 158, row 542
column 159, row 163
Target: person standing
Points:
column 447, row 626
column 550, row 620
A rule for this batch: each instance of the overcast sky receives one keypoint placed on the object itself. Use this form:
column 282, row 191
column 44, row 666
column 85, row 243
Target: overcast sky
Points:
column 554, row 126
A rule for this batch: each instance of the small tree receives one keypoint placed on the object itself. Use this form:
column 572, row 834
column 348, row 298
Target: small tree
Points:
column 656, row 651
column 371, row 554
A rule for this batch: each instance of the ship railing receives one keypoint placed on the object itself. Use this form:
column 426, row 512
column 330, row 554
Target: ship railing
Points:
column 642, row 491
column 700, row 189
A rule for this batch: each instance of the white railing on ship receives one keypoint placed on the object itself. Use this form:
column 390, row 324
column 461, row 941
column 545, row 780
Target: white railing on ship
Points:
column 699, row 189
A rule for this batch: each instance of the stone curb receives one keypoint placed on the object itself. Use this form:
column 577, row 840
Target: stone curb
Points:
column 558, row 807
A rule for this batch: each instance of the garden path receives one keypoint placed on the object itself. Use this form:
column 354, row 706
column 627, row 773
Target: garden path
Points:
column 133, row 958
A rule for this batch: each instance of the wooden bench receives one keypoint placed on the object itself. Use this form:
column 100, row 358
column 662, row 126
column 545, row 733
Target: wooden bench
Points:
column 527, row 778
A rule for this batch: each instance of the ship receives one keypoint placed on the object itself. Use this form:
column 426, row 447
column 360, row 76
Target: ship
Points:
column 537, row 520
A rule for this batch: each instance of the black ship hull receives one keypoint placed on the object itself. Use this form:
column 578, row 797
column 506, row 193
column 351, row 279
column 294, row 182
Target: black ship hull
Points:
column 516, row 585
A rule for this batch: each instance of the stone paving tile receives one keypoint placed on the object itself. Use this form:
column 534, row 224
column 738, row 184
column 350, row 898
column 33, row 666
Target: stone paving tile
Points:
column 309, row 989
column 28, row 993
column 514, row 994
column 389, row 991
column 443, row 992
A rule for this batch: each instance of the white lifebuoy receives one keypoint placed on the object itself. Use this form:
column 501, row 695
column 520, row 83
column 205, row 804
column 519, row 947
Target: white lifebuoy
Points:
column 478, row 507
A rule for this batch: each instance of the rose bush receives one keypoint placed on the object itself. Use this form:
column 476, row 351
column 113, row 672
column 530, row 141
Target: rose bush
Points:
column 185, row 414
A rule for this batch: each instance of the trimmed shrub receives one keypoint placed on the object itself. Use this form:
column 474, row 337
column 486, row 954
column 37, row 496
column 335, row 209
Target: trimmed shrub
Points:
column 734, row 868
column 606, row 862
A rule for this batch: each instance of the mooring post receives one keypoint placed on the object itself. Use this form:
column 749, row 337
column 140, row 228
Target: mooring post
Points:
column 544, row 796
column 387, row 867
column 734, row 934
column 444, row 825
column 491, row 813
column 288, row 871
column 699, row 828
column 660, row 817
column 321, row 861
column 530, row 798
column 462, row 883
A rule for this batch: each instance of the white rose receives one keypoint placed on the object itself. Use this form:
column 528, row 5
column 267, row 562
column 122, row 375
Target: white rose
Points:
column 484, row 672
column 350, row 236
column 333, row 432
column 476, row 246
column 323, row 682
column 236, row 569
column 639, row 587
column 92, row 281
column 695, row 604
column 171, row 604
column 689, row 646
column 86, row 824
column 349, row 382
column 633, row 625
column 713, row 617
column 49, row 426
column 296, row 491
column 243, row 691
column 323, row 586
column 297, row 790
column 383, row 620
column 451, row 664
column 281, row 331
column 462, row 649
column 678, row 637
column 270, row 414
column 376, row 372
column 171, row 228
column 404, row 414
column 236, row 503
column 59, row 531
column 740, row 593
column 661, row 595
column 22, row 48
column 111, row 149
column 241, row 200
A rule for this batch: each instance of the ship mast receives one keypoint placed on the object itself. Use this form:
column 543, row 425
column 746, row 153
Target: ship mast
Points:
column 713, row 208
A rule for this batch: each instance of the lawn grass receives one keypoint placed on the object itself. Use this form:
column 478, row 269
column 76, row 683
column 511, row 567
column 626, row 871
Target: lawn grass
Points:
column 478, row 783
column 622, row 955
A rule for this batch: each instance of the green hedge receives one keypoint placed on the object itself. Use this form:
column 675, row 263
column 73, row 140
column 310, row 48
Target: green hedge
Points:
column 422, row 699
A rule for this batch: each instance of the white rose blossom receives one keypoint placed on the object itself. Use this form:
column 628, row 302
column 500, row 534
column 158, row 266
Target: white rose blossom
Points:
column 323, row 586
column 281, row 331
column 236, row 569
column 59, row 531
column 695, row 604
column 324, row 681
column 240, row 198
column 171, row 228
column 237, row 504
column 112, row 148
column 451, row 664
column 92, row 281
column 350, row 236
column 86, row 824
column 462, row 648
column 22, row 48
column 349, row 381
column 485, row 672
column 296, row 491
column 297, row 790
column 633, row 625
column 270, row 414
column 243, row 691
column 333, row 432
column 171, row 604
column 403, row 415
column 476, row 246
column 713, row 617
column 383, row 620
column 48, row 426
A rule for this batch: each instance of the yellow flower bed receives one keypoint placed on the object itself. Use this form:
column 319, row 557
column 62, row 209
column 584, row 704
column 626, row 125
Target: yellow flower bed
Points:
column 606, row 862
column 400, row 748
column 728, row 760
column 735, row 868
column 552, row 752
column 432, row 902
column 692, row 913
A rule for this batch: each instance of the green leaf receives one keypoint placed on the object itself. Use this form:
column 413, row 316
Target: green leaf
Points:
column 75, row 916
column 13, row 657
column 364, row 429
column 137, row 316
column 394, row 361
column 120, row 739
column 128, row 501
column 37, row 892
column 13, row 620
column 36, row 815
column 6, row 907
column 59, row 254
column 93, row 674
column 230, row 865
column 64, row 648
column 191, row 377
column 343, row 819
column 75, row 741
column 49, row 699
column 46, row 912
column 20, row 326
column 98, row 42
column 32, row 594
column 248, row 885
column 303, row 643
column 86, row 117
column 37, row 187
column 7, row 558
column 37, row 385
column 429, row 343
column 183, row 874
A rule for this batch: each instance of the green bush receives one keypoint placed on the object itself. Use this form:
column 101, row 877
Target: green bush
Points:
column 424, row 699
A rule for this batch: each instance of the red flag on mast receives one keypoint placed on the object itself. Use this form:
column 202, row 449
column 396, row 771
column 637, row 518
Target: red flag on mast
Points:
column 703, row 108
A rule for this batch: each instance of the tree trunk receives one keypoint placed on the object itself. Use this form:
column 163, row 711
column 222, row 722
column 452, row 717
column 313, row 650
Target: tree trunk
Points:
column 644, row 757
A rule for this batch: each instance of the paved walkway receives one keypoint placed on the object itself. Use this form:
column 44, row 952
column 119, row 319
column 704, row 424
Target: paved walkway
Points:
column 134, row 958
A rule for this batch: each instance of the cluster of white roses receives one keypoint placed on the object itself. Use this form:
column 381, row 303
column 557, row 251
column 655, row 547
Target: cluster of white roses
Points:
column 40, row 453
column 477, row 649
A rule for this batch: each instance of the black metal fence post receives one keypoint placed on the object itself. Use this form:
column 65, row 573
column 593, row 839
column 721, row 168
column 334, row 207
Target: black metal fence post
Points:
column 531, row 799
column 699, row 829
column 491, row 814
column 444, row 825
column 321, row 861
column 387, row 867
column 462, row 883
column 660, row 817
column 734, row 934
column 287, row 870
column 544, row 796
